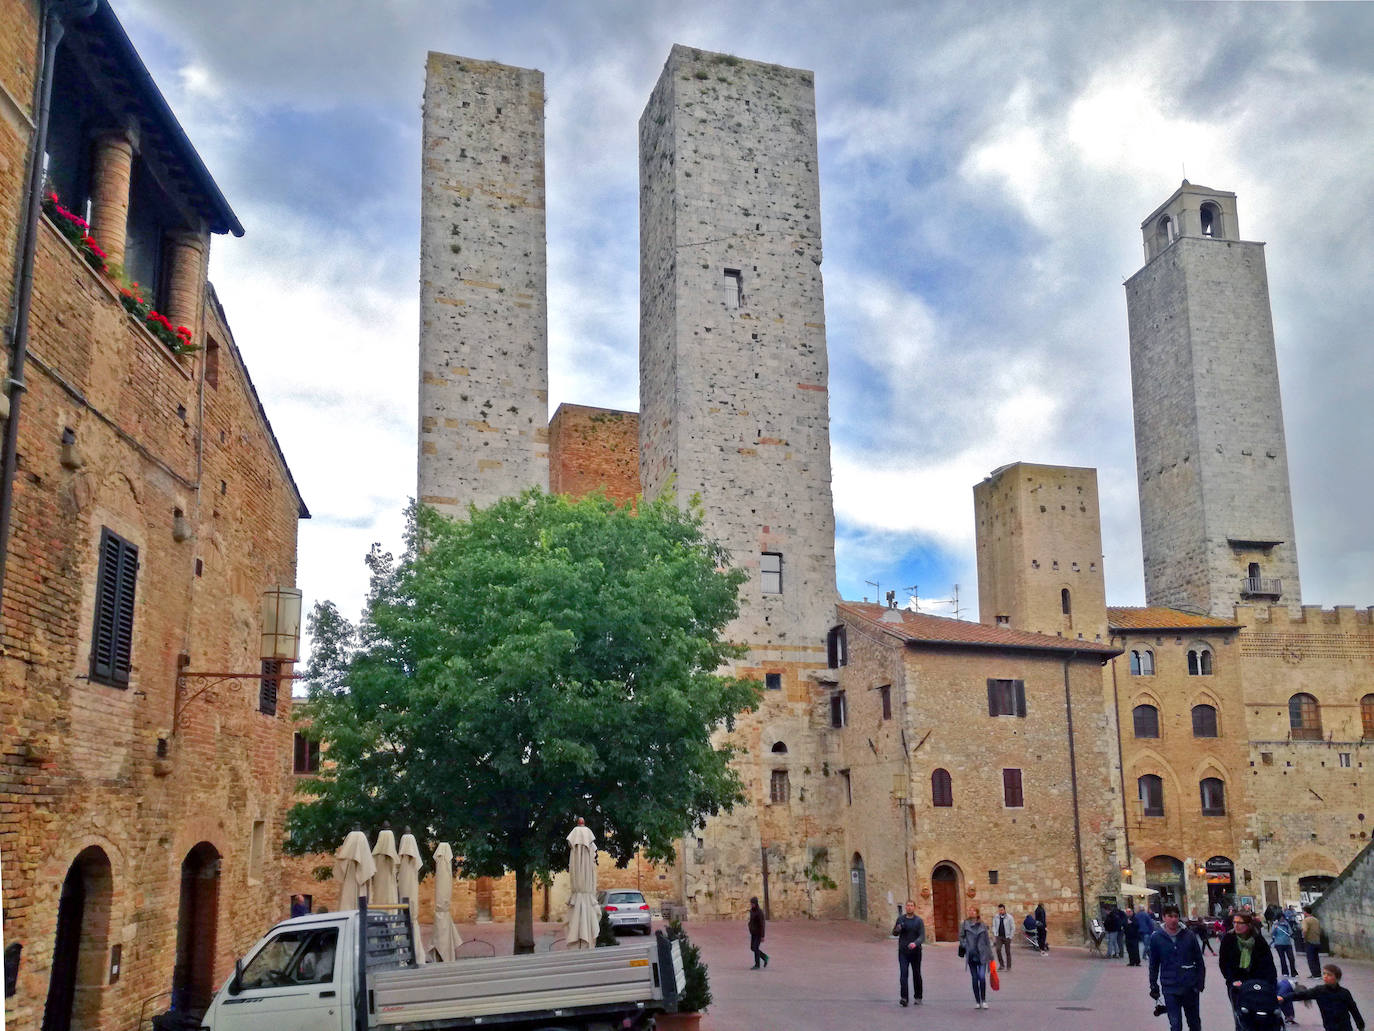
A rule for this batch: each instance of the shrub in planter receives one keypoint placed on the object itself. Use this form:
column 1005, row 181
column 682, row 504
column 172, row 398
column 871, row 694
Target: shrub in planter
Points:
column 696, row 990
column 605, row 934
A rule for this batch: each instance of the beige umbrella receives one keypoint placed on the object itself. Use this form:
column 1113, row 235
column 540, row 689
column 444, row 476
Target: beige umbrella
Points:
column 382, row 889
column 353, row 868
column 445, row 938
column 584, row 919
column 1136, row 891
column 408, row 887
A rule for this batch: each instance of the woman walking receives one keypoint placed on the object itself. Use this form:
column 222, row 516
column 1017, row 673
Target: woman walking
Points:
column 976, row 948
column 1282, row 934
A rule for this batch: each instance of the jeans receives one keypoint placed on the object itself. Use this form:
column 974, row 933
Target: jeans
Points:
column 1002, row 946
column 1314, row 964
column 979, row 974
column 1183, row 1005
column 1288, row 966
column 910, row 959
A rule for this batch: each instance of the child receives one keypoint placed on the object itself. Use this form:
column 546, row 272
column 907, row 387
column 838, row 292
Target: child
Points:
column 1337, row 1005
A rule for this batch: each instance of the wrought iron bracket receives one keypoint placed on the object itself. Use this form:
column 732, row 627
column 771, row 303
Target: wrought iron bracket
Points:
column 213, row 680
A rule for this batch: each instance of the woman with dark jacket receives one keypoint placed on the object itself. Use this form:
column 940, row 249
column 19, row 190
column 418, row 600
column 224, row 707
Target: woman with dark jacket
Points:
column 1132, row 936
column 976, row 948
column 1245, row 955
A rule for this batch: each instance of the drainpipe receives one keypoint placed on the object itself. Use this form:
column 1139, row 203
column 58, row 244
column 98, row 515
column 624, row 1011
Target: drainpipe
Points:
column 1073, row 787
column 56, row 15
column 1121, row 763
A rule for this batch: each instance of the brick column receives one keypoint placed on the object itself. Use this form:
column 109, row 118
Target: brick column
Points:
column 110, row 178
column 186, row 279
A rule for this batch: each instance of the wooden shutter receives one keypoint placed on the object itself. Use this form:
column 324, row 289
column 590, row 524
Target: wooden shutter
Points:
column 1011, row 789
column 1019, row 686
column 993, row 708
column 267, row 693
column 113, row 629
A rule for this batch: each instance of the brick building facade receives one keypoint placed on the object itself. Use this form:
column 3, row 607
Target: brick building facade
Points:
column 143, row 805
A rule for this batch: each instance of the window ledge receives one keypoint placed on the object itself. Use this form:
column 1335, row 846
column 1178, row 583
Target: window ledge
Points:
column 142, row 332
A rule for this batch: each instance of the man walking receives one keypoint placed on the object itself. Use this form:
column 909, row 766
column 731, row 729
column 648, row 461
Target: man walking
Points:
column 1311, row 941
column 1177, row 970
column 910, row 932
column 1110, row 925
column 1003, row 930
column 756, row 926
column 1042, row 928
column 1131, row 933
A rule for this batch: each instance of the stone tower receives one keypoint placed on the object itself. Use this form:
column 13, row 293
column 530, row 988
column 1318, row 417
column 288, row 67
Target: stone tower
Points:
column 1039, row 542
column 483, row 300
column 1215, row 507
column 734, row 408
column 733, row 372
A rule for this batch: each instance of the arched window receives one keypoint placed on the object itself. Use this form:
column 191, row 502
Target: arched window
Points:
column 941, row 789
column 1211, row 220
column 1145, row 719
column 1165, row 231
column 1200, row 661
column 780, row 748
column 1367, row 716
column 1304, row 718
column 1213, row 796
column 1064, row 602
column 1204, row 721
column 1151, row 790
column 1142, row 662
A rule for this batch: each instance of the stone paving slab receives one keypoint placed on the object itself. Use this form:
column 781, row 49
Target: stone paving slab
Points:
column 839, row 975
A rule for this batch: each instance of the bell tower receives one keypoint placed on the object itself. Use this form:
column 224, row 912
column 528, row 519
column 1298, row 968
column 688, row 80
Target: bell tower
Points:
column 1216, row 510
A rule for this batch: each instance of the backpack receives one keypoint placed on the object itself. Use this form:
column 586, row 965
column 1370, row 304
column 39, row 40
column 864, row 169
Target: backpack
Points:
column 1257, row 1006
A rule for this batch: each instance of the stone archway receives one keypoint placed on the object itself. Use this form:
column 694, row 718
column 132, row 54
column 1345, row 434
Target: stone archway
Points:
column 82, row 943
column 193, row 977
column 944, row 892
column 858, row 888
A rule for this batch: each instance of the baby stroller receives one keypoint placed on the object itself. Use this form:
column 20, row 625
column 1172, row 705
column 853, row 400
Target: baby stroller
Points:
column 1257, row 1007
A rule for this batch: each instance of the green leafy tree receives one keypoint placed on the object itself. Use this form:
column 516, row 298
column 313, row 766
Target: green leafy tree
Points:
column 546, row 659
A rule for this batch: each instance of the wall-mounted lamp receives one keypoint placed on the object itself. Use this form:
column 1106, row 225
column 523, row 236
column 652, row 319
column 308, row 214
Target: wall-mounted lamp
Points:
column 1202, row 871
column 1126, row 872
column 899, row 787
column 181, row 527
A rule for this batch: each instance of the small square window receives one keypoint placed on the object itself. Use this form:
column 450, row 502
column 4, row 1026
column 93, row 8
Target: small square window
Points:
column 992, row 876
column 772, row 681
column 1345, row 759
column 770, row 572
column 733, row 289
column 307, row 758
column 779, row 789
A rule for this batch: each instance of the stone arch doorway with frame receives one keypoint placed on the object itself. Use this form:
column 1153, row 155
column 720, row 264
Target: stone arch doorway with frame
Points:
column 193, row 976
column 944, row 900
column 858, row 888
column 81, row 945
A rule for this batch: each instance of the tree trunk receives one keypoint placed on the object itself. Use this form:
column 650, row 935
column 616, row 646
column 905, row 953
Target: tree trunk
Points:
column 524, row 911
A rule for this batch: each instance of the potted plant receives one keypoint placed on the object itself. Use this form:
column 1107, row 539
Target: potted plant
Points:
column 695, row 994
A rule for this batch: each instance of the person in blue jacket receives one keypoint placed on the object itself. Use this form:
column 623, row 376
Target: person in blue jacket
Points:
column 1177, row 971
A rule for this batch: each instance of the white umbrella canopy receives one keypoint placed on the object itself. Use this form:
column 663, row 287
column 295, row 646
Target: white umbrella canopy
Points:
column 1136, row 891
column 584, row 917
column 408, row 887
column 382, row 889
column 445, row 939
column 353, row 868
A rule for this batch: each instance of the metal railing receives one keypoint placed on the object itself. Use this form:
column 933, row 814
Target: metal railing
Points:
column 1261, row 586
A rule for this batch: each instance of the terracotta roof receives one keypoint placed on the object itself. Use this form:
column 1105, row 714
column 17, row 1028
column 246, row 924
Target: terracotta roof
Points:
column 1159, row 618
column 918, row 628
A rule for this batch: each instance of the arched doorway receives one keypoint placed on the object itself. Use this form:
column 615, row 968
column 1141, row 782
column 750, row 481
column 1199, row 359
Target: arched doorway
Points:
column 83, row 930
column 858, row 888
column 193, row 984
column 1221, row 883
column 1311, row 888
column 944, row 891
column 1165, row 875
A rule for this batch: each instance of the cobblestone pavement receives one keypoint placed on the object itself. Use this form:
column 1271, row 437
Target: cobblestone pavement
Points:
column 839, row 975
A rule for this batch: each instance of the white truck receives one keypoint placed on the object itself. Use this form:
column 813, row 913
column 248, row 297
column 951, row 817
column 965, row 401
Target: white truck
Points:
column 355, row 971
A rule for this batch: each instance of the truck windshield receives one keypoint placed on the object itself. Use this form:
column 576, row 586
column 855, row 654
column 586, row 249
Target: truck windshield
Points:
column 298, row 956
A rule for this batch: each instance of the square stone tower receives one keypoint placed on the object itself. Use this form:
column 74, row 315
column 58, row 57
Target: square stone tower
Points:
column 733, row 371
column 1216, row 511
column 1039, row 542
column 483, row 299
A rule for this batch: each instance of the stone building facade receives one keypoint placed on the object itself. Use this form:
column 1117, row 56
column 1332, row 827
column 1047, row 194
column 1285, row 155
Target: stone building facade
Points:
column 141, row 804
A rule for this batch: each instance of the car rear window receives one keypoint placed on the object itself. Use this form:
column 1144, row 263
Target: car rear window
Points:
column 623, row 897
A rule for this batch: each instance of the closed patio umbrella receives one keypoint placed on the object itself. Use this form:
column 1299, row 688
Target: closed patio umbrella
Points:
column 353, row 868
column 444, row 939
column 408, row 887
column 583, row 916
column 382, row 889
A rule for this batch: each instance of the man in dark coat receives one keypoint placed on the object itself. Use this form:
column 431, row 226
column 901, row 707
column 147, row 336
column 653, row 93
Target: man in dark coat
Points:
column 1131, row 933
column 910, row 932
column 1042, row 927
column 1177, row 970
column 1244, row 955
column 756, row 925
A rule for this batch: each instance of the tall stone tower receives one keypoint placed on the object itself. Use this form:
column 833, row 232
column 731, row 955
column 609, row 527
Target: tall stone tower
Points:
column 734, row 408
column 733, row 371
column 1216, row 512
column 1039, row 542
column 483, row 299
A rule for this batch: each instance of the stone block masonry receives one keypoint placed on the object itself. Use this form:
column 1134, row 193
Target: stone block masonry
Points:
column 483, row 297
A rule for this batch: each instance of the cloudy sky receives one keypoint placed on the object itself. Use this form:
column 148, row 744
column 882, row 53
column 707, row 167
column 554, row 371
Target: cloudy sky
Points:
column 984, row 171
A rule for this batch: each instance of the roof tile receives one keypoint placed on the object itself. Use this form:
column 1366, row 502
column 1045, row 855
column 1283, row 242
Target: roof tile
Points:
column 919, row 628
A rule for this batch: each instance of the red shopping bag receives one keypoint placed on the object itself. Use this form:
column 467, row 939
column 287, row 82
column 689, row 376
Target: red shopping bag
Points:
column 993, row 979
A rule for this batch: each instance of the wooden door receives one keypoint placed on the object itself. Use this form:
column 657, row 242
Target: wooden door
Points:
column 484, row 893
column 944, row 890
